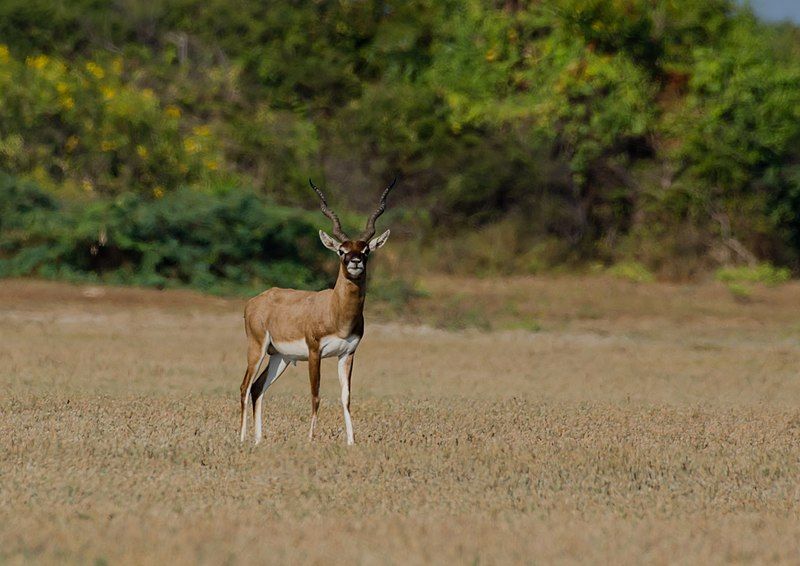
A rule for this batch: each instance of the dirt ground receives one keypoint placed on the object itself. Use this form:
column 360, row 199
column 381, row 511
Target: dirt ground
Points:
column 594, row 420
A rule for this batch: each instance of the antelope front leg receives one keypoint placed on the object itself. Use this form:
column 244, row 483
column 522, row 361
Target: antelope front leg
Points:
column 313, row 375
column 345, row 373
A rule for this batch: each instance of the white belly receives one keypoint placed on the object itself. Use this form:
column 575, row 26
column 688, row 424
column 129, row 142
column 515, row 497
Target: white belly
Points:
column 330, row 346
column 334, row 346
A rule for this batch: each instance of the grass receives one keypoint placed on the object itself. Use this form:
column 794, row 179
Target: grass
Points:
column 664, row 427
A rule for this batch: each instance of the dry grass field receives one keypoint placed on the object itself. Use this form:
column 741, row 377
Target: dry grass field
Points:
column 593, row 421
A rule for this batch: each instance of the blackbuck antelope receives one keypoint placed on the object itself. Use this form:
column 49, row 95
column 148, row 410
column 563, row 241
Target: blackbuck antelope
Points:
column 290, row 325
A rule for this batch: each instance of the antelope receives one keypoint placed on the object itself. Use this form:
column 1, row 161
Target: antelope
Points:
column 289, row 325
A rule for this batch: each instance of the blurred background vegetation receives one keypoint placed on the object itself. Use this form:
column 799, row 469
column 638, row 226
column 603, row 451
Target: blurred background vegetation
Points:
column 170, row 143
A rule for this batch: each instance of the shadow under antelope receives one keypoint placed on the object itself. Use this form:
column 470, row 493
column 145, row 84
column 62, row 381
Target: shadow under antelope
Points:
column 289, row 325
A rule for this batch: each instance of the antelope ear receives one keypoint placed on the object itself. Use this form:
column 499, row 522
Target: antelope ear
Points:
column 329, row 242
column 379, row 241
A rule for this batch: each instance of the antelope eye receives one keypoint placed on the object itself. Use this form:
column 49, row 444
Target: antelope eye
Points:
column 341, row 252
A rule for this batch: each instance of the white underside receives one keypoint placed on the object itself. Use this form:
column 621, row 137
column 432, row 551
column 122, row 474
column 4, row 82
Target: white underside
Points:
column 330, row 346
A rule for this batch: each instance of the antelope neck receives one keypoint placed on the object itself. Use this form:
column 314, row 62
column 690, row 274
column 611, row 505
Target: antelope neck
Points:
column 349, row 294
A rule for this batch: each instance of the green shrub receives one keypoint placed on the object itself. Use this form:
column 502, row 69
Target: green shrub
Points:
column 228, row 242
column 765, row 273
column 632, row 271
column 20, row 201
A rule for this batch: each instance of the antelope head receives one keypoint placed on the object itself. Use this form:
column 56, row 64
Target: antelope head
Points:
column 353, row 253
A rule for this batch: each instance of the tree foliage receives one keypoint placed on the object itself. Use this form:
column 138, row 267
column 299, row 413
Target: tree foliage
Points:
column 658, row 131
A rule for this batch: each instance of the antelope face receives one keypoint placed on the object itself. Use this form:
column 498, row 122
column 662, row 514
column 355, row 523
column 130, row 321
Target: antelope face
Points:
column 353, row 253
column 354, row 257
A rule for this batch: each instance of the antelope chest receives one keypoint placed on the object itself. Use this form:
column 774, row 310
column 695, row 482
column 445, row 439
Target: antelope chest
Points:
column 329, row 346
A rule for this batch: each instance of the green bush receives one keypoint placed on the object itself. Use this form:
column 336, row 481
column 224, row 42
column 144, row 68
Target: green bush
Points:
column 762, row 273
column 228, row 242
column 631, row 271
column 20, row 202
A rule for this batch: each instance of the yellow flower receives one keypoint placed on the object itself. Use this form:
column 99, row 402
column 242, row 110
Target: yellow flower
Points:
column 62, row 87
column 68, row 103
column 491, row 55
column 108, row 92
column 4, row 53
column 211, row 164
column 106, row 145
column 158, row 192
column 190, row 145
column 142, row 151
column 95, row 69
column 202, row 130
column 173, row 111
column 37, row 61
column 71, row 143
column 148, row 93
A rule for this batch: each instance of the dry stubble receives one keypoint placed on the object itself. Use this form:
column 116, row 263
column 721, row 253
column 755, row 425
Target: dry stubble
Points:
column 663, row 427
